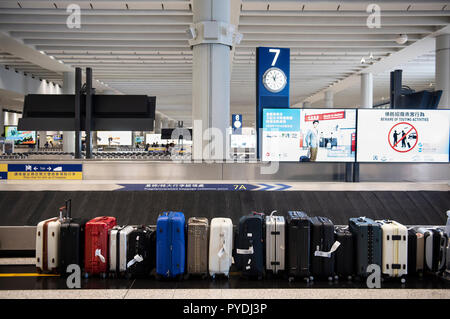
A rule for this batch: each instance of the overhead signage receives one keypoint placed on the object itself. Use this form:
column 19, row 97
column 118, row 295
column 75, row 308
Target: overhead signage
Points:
column 203, row 187
column 43, row 171
column 236, row 123
column 325, row 116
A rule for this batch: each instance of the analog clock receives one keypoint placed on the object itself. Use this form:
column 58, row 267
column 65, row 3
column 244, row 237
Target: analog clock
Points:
column 274, row 80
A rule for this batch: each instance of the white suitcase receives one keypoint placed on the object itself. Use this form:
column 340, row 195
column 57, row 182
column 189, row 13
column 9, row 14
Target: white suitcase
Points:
column 47, row 245
column 220, row 246
column 118, row 242
column 275, row 243
column 394, row 248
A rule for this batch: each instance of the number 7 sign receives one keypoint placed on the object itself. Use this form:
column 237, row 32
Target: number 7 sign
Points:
column 275, row 58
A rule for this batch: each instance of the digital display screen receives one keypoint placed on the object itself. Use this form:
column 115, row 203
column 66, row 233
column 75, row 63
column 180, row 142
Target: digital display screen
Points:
column 403, row 135
column 20, row 137
column 315, row 135
column 114, row 138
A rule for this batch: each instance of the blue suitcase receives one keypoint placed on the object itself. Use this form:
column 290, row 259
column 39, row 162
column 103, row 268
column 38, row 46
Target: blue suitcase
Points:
column 170, row 244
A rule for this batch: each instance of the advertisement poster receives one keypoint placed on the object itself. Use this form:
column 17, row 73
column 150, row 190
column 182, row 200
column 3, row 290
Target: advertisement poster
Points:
column 20, row 137
column 403, row 135
column 114, row 138
column 309, row 135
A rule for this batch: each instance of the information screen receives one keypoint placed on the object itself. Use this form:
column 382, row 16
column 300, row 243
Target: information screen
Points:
column 20, row 137
column 403, row 135
column 316, row 135
column 114, row 138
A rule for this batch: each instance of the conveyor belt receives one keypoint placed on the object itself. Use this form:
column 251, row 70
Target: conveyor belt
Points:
column 140, row 207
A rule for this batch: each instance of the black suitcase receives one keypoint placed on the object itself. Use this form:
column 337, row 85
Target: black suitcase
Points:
column 322, row 239
column 412, row 251
column 345, row 254
column 249, row 245
column 141, row 252
column 71, row 248
column 298, row 244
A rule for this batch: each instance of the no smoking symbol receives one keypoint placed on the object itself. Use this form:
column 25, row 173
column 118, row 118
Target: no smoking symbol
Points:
column 403, row 137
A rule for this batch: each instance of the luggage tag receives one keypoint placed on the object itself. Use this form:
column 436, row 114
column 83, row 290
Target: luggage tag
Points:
column 327, row 254
column 248, row 251
column 136, row 259
column 98, row 253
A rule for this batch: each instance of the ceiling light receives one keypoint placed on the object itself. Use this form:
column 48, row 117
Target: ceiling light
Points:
column 401, row 39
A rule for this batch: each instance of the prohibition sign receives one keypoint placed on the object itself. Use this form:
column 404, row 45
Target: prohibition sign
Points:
column 410, row 131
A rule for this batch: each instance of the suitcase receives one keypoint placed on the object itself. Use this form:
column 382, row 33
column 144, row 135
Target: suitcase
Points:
column 368, row 243
column 47, row 244
column 275, row 243
column 344, row 255
column 322, row 248
column 298, row 244
column 170, row 244
column 220, row 246
column 197, row 246
column 447, row 255
column 435, row 249
column 141, row 251
column 416, row 249
column 71, row 248
column 118, row 244
column 96, row 245
column 249, row 245
column 394, row 249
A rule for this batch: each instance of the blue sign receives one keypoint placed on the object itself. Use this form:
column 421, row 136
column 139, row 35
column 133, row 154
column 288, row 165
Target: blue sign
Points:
column 202, row 187
column 283, row 120
column 45, row 167
column 272, row 82
column 236, row 122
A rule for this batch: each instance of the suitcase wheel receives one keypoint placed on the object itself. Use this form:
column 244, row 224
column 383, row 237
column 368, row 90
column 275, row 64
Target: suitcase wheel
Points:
column 330, row 278
column 403, row 280
column 311, row 278
column 103, row 275
column 349, row 278
column 336, row 277
column 86, row 275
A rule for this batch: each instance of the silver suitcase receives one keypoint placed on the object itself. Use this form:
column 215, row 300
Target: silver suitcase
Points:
column 118, row 243
column 275, row 243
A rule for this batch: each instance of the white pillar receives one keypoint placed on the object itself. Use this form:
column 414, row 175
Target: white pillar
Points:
column 2, row 122
column 172, row 124
column 329, row 99
column 366, row 90
column 42, row 138
column 443, row 69
column 210, row 82
column 157, row 128
column 69, row 88
column 165, row 122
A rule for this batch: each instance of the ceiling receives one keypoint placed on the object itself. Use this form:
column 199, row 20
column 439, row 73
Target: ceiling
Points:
column 140, row 47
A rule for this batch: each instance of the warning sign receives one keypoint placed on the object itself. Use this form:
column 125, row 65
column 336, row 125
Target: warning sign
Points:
column 403, row 137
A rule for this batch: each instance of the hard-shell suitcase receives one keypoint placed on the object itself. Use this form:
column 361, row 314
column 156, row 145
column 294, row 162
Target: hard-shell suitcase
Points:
column 368, row 238
column 416, row 250
column 170, row 244
column 395, row 248
column 249, row 246
column 322, row 248
column 118, row 248
column 220, row 246
column 141, row 251
column 96, row 245
column 71, row 248
column 47, row 244
column 298, row 244
column 447, row 254
column 435, row 249
column 344, row 255
column 275, row 243
column 197, row 246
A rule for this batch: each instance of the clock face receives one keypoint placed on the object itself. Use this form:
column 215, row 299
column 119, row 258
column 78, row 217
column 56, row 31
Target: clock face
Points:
column 274, row 80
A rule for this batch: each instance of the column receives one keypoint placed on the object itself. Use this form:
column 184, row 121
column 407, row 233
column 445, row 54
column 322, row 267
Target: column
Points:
column 366, row 90
column 329, row 99
column 68, row 88
column 443, row 69
column 210, row 81
column 157, row 128
column 164, row 122
column 42, row 138
column 172, row 124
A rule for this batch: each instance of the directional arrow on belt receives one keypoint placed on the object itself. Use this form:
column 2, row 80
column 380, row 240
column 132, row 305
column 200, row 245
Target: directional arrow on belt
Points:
column 267, row 187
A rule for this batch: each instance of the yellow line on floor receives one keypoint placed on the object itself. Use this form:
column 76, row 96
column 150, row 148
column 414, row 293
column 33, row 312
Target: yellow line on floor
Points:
column 29, row 275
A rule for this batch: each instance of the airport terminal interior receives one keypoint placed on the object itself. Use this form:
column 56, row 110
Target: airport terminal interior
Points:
column 224, row 149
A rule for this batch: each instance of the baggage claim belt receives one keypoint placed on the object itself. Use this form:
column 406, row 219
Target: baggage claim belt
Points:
column 41, row 171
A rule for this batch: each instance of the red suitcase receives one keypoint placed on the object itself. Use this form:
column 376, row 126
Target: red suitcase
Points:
column 96, row 245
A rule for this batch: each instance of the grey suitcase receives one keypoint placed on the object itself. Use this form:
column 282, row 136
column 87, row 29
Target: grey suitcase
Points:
column 197, row 246
column 275, row 243
column 368, row 236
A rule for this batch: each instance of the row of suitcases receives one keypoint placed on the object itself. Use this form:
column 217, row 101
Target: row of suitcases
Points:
column 298, row 246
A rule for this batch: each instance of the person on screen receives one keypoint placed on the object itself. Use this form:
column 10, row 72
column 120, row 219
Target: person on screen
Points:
column 395, row 135
column 403, row 139
column 312, row 140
